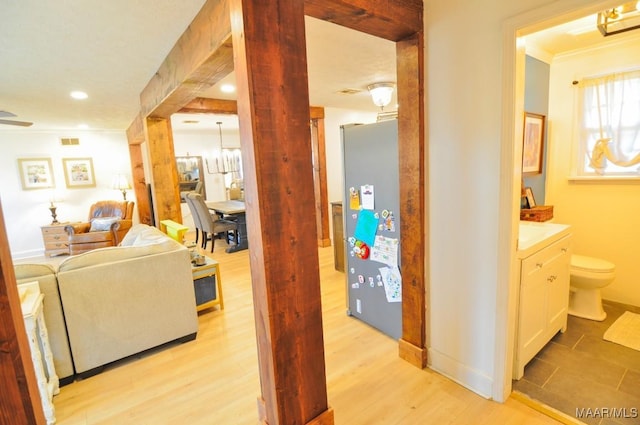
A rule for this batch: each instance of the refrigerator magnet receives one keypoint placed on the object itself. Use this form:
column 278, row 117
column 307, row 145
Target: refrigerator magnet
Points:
column 354, row 199
column 368, row 198
column 390, row 222
column 361, row 250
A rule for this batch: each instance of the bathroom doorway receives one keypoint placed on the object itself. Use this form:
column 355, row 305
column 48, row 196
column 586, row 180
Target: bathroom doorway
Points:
column 578, row 329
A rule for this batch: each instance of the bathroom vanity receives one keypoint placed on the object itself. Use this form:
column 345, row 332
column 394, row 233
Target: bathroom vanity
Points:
column 544, row 253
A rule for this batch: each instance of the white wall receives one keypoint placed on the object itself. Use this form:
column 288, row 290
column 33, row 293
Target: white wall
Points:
column 604, row 216
column 26, row 210
column 471, row 128
column 464, row 116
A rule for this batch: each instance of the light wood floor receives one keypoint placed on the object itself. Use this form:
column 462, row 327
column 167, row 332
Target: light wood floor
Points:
column 214, row 379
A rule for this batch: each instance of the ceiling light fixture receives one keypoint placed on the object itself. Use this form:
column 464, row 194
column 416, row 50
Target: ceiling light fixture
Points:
column 227, row 88
column 625, row 17
column 79, row 95
column 226, row 160
column 381, row 93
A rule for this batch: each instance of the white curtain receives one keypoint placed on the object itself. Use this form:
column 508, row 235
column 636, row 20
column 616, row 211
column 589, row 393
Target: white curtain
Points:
column 611, row 122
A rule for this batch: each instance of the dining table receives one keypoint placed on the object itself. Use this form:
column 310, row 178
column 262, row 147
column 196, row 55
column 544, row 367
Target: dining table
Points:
column 233, row 210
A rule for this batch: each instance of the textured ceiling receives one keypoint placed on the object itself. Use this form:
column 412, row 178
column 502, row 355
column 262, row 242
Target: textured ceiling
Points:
column 111, row 49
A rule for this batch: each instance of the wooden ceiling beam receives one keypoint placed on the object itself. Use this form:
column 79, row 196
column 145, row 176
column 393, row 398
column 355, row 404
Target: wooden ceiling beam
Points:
column 204, row 105
column 135, row 132
column 201, row 57
column 392, row 20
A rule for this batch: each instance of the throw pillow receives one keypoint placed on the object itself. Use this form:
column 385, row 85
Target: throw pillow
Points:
column 102, row 224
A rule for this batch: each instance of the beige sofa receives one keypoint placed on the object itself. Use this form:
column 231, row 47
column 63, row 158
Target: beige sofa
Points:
column 122, row 300
column 45, row 275
column 117, row 301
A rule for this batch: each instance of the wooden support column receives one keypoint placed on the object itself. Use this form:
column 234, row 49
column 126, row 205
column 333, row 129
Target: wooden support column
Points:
column 139, row 183
column 19, row 399
column 164, row 173
column 412, row 157
column 273, row 108
column 319, row 159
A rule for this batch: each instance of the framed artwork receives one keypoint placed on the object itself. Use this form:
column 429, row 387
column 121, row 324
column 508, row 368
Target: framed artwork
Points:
column 533, row 143
column 78, row 172
column 531, row 202
column 36, row 173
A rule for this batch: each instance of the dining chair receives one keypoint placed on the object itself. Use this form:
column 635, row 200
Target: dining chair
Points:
column 194, row 214
column 211, row 224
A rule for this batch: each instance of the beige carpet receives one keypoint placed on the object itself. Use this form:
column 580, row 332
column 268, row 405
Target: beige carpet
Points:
column 625, row 331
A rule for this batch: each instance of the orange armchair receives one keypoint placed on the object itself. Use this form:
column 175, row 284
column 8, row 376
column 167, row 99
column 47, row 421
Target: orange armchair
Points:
column 108, row 222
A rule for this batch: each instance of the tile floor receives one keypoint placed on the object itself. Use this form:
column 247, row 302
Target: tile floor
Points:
column 580, row 370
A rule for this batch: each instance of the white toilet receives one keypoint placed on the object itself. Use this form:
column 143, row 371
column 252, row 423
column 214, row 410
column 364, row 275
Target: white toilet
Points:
column 588, row 276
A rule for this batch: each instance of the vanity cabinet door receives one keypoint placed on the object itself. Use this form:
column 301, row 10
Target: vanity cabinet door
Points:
column 557, row 278
column 533, row 320
column 543, row 300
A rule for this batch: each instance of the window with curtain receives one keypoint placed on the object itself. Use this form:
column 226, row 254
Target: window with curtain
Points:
column 610, row 125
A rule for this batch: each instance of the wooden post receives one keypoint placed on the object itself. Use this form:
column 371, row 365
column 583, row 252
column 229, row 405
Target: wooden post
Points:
column 320, row 177
column 139, row 183
column 20, row 402
column 412, row 157
column 164, row 171
column 273, row 108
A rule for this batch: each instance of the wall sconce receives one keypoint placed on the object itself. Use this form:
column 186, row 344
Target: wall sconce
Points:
column 121, row 183
column 381, row 93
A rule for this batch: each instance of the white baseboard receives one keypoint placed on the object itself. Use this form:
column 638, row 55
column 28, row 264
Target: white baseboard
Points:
column 470, row 378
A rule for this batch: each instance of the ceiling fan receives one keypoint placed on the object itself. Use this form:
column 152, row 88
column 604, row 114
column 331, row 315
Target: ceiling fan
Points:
column 4, row 114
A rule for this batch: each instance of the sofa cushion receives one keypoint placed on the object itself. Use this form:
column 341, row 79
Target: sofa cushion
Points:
column 142, row 234
column 144, row 241
column 29, row 271
column 101, row 224
column 44, row 274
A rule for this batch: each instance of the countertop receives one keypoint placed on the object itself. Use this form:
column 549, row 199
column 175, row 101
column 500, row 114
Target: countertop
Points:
column 533, row 236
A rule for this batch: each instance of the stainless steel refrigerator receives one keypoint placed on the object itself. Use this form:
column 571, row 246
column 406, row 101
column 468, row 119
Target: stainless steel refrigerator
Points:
column 371, row 211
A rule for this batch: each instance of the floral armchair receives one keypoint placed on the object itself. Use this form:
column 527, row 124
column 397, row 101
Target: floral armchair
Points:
column 108, row 222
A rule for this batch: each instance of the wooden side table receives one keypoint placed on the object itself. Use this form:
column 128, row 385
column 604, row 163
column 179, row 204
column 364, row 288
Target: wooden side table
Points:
column 208, row 285
column 48, row 383
column 55, row 240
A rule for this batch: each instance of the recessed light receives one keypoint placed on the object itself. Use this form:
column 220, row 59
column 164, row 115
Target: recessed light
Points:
column 77, row 94
column 227, row 88
column 83, row 126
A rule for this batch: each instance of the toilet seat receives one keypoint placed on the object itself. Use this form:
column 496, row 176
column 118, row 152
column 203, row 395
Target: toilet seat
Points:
column 590, row 264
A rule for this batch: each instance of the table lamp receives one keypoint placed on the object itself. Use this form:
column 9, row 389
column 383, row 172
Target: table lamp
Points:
column 120, row 182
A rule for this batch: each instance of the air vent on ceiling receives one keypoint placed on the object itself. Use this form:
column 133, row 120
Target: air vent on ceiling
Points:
column 69, row 141
column 349, row 91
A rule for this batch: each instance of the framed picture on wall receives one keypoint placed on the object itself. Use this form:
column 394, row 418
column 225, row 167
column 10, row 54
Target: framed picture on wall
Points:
column 36, row 173
column 78, row 172
column 533, row 143
column 531, row 201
